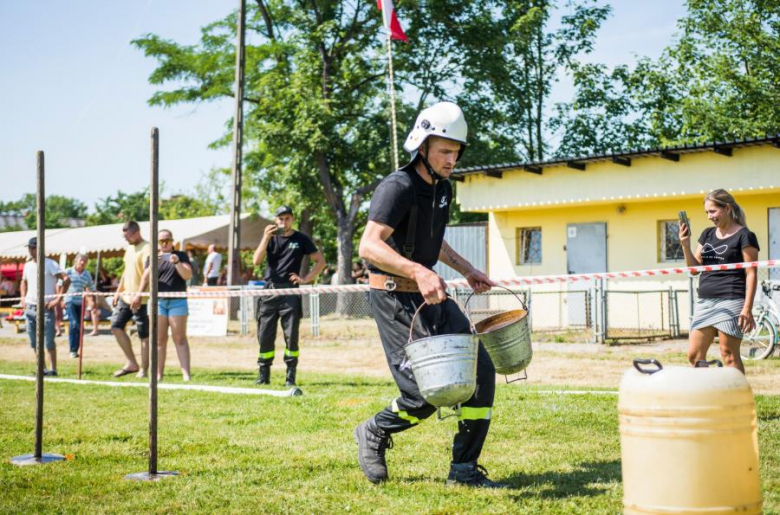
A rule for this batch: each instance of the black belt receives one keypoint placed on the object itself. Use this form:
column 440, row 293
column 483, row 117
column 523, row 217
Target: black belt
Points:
column 279, row 286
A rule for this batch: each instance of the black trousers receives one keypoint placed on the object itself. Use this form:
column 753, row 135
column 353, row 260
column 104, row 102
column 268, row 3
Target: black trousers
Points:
column 269, row 310
column 393, row 313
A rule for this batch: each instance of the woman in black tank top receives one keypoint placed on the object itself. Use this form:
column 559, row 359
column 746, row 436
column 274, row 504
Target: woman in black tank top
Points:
column 725, row 297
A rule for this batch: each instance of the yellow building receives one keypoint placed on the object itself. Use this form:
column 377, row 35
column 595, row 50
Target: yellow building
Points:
column 619, row 212
column 614, row 212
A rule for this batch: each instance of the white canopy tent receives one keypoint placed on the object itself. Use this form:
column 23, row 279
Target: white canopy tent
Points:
column 107, row 239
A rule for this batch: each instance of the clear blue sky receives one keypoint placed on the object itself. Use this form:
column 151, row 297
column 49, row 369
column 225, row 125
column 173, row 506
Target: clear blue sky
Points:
column 73, row 86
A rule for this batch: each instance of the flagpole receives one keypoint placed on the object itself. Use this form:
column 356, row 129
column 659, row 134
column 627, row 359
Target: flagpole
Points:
column 392, row 100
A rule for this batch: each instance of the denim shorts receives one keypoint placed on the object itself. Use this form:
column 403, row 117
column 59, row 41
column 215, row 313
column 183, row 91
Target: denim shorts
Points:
column 172, row 308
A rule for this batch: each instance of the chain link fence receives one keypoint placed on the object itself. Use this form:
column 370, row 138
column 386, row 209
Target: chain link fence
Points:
column 643, row 309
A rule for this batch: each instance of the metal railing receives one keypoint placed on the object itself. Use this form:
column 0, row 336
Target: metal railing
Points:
column 596, row 312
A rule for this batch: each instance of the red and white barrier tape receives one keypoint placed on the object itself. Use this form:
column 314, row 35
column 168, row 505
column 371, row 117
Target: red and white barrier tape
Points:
column 512, row 281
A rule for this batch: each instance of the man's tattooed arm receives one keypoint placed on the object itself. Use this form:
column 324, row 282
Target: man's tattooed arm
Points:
column 452, row 259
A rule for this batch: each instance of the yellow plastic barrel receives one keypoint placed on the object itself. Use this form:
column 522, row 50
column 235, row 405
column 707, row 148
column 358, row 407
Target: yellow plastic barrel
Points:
column 689, row 441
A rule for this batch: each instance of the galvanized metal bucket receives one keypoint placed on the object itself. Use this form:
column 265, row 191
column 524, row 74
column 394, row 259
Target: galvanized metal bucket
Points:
column 507, row 338
column 444, row 366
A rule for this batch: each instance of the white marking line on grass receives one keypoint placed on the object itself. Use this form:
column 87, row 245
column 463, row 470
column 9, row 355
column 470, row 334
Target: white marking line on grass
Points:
column 162, row 386
column 575, row 392
column 253, row 391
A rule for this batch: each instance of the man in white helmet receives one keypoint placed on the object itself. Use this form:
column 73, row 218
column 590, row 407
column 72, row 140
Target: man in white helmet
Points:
column 403, row 240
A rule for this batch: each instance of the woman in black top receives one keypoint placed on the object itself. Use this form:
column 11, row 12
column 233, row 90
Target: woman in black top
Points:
column 173, row 273
column 725, row 303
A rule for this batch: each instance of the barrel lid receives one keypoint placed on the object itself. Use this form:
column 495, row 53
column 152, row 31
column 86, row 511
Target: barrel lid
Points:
column 677, row 379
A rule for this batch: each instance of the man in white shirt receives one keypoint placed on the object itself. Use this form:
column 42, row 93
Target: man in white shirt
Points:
column 29, row 291
column 212, row 266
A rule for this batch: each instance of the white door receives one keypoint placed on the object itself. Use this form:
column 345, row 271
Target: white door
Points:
column 586, row 248
column 774, row 240
column 586, row 252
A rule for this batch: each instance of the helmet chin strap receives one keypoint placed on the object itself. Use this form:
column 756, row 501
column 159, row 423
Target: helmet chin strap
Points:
column 435, row 176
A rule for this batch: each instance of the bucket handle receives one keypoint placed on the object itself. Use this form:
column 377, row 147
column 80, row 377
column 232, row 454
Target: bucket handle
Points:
column 411, row 326
column 655, row 362
column 525, row 307
column 524, row 377
column 456, row 414
column 703, row 363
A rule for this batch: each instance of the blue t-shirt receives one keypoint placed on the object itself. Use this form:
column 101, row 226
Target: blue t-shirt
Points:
column 78, row 283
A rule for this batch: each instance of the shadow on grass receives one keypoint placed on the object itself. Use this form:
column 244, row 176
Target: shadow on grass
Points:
column 327, row 383
column 229, row 375
column 581, row 481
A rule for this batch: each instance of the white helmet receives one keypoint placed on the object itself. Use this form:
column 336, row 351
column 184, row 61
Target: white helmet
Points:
column 444, row 120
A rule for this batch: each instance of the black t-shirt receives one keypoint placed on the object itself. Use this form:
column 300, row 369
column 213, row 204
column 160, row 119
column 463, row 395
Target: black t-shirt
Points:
column 168, row 278
column 285, row 255
column 391, row 205
column 724, row 284
column 103, row 284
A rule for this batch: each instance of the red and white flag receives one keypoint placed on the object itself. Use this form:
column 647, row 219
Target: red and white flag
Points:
column 391, row 20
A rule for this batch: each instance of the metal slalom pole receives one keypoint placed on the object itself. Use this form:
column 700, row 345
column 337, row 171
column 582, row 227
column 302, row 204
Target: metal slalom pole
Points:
column 38, row 457
column 154, row 191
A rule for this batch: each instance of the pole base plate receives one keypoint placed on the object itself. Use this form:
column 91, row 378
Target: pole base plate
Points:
column 146, row 476
column 30, row 459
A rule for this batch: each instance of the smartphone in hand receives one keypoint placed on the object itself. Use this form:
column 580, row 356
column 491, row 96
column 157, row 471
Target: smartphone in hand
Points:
column 683, row 216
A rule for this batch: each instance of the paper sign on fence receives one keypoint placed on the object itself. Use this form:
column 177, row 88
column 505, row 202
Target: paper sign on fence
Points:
column 208, row 317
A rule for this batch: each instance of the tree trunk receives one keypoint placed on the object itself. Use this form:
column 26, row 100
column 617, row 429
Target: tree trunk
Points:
column 344, row 264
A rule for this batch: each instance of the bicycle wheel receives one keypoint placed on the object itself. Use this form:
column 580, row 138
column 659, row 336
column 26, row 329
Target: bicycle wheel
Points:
column 760, row 342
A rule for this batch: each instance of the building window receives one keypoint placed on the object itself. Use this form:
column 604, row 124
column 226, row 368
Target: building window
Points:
column 669, row 241
column 529, row 245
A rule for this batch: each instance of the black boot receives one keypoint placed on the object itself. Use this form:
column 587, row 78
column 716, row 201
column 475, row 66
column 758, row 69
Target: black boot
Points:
column 471, row 474
column 264, row 377
column 372, row 444
column 290, row 377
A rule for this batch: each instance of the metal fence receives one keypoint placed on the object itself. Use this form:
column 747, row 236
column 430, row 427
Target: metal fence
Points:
column 600, row 311
column 638, row 309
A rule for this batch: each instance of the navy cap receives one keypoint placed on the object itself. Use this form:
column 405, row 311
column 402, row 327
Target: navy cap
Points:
column 33, row 242
column 283, row 210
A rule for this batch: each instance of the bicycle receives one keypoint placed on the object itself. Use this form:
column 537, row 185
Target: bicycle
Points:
column 762, row 341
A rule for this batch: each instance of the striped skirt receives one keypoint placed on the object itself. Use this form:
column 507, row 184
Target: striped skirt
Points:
column 722, row 314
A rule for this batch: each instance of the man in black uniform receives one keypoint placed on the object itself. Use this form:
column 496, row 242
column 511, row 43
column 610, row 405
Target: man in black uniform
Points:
column 403, row 240
column 285, row 249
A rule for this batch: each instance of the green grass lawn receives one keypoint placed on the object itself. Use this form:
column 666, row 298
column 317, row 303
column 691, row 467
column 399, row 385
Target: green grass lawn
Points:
column 561, row 453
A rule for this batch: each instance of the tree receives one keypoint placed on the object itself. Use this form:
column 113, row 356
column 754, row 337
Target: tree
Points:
column 510, row 76
column 718, row 81
column 124, row 207
column 602, row 116
column 121, row 208
column 728, row 65
column 61, row 211
column 317, row 120
column 182, row 206
column 313, row 81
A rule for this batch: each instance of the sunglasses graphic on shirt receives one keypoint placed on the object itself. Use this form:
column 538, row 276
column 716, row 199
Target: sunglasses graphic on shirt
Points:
column 719, row 250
